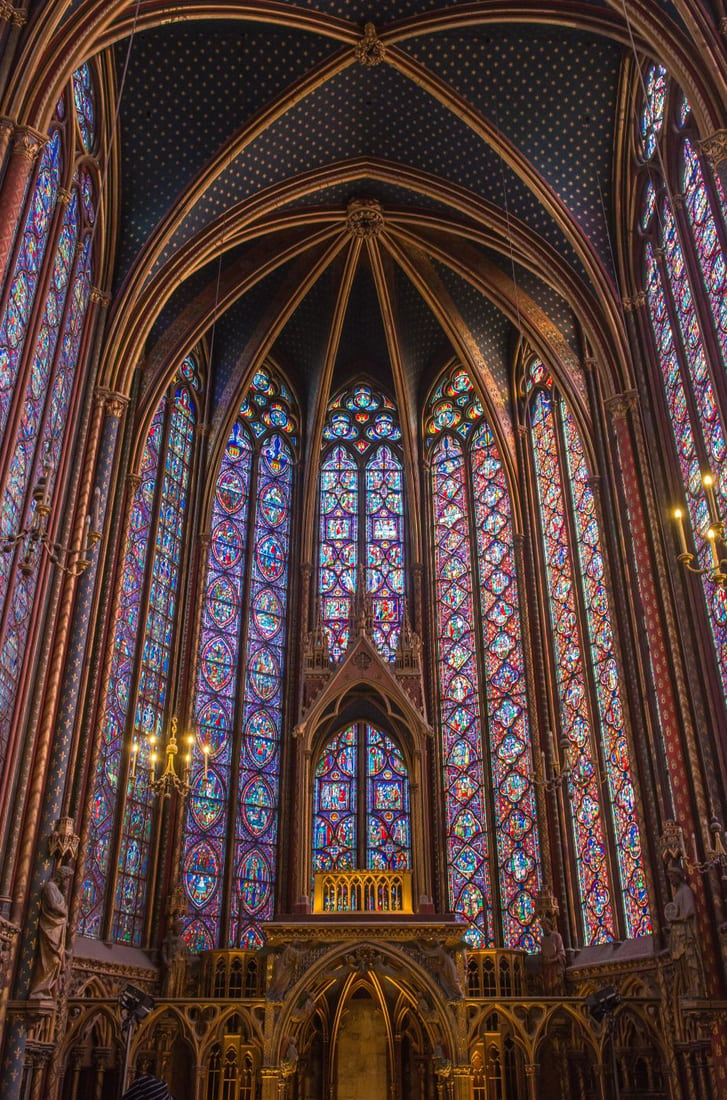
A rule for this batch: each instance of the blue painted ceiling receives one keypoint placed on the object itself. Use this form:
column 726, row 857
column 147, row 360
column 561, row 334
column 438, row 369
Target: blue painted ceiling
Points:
column 550, row 92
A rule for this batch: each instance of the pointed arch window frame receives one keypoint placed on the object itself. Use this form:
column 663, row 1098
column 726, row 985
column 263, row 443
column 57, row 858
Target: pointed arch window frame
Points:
column 44, row 392
column 342, row 436
column 250, row 754
column 592, row 761
column 455, row 413
column 117, row 893
column 686, row 340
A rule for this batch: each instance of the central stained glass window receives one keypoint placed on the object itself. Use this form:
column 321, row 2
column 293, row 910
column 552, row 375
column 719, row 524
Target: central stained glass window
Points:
column 361, row 517
column 361, row 815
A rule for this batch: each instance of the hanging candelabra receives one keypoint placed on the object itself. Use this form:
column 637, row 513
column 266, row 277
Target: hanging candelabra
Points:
column 168, row 782
column 35, row 537
column 714, row 534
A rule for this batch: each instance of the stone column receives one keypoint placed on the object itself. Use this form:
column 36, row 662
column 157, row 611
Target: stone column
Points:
column 714, row 147
column 25, row 147
column 270, row 1080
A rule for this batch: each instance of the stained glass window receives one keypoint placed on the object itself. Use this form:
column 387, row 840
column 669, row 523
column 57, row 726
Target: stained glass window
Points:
column 685, row 278
column 587, row 676
column 235, row 778
column 139, row 676
column 84, row 100
column 37, row 378
column 361, row 814
column 361, row 517
column 486, row 746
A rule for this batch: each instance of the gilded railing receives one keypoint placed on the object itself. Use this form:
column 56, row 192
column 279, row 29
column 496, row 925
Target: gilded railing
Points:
column 362, row 892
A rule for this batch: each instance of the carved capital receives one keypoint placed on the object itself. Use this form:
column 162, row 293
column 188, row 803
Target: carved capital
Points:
column 364, row 218
column 671, row 843
column 589, row 364
column 370, row 50
column 619, row 405
column 113, row 403
column 64, row 196
column 7, row 124
column 635, row 302
column 10, row 14
column 27, row 143
column 8, row 934
column 100, row 298
column 714, row 147
column 133, row 481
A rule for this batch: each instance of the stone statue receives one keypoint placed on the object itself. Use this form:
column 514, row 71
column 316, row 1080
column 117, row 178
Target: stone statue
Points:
column 289, row 1061
column 681, row 915
column 552, row 957
column 50, row 959
column 174, row 960
column 286, row 968
column 443, row 968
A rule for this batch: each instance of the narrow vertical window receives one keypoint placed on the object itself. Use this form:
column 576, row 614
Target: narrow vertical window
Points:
column 140, row 669
column 685, row 279
column 230, row 841
column 486, row 744
column 37, row 377
column 589, row 692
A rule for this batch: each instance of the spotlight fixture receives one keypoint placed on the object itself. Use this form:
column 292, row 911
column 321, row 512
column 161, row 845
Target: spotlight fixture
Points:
column 603, row 1003
column 135, row 1003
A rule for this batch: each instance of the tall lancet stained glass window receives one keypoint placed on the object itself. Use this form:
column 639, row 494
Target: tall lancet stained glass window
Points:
column 53, row 252
column 683, row 248
column 230, row 840
column 492, row 834
column 136, row 707
column 605, row 832
column 361, row 517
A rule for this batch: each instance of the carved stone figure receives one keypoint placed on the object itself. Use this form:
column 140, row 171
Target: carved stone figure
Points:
column 680, row 912
column 443, row 968
column 174, row 960
column 289, row 1061
column 552, row 957
column 286, row 968
column 52, row 923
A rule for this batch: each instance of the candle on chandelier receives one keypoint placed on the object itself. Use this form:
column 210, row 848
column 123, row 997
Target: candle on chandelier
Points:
column 708, row 483
column 712, row 540
column 679, row 517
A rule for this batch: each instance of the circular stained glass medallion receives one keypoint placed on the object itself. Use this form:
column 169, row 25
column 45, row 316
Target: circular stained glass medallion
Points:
column 273, row 503
column 267, row 613
column 270, row 557
column 200, row 871
column 254, row 881
column 231, row 491
column 207, row 800
column 264, row 674
column 261, row 738
column 222, row 601
column 256, row 805
column 226, row 544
